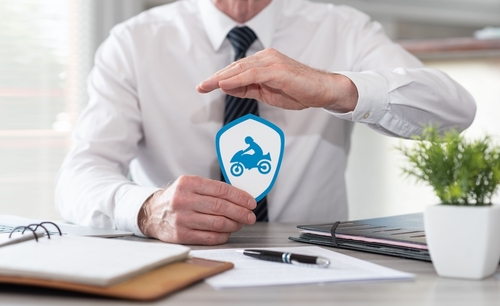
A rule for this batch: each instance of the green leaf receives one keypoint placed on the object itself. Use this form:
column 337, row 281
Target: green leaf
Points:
column 461, row 172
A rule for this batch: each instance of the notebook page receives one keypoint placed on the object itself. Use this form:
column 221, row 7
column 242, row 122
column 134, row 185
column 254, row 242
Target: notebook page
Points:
column 86, row 260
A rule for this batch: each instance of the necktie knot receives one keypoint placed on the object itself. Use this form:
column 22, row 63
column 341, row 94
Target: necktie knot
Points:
column 241, row 38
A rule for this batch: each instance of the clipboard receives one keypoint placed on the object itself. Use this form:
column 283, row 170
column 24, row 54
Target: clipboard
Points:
column 401, row 236
column 149, row 286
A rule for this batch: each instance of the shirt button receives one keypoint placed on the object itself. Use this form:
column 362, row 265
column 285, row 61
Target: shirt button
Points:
column 366, row 115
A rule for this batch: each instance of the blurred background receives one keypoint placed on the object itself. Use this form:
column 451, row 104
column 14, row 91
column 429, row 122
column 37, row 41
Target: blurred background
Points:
column 47, row 48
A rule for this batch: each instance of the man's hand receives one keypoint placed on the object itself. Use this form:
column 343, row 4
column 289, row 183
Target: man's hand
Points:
column 195, row 210
column 275, row 79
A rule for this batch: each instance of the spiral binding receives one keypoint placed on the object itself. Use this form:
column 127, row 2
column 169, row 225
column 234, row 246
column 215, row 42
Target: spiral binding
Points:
column 36, row 225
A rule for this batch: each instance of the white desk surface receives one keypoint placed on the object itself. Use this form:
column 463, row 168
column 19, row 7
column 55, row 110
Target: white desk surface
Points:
column 426, row 289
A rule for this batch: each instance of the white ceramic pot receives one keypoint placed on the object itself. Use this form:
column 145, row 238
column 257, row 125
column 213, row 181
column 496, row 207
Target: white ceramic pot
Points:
column 463, row 241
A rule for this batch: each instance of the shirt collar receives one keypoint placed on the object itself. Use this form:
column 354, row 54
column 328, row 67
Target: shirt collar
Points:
column 217, row 24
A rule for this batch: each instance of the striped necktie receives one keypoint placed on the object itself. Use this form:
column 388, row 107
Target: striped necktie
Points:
column 241, row 38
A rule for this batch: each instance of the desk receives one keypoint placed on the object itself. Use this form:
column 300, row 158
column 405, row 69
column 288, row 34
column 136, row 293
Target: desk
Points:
column 426, row 289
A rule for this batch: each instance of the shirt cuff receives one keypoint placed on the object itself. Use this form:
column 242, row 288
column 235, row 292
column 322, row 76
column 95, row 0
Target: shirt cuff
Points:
column 373, row 98
column 129, row 200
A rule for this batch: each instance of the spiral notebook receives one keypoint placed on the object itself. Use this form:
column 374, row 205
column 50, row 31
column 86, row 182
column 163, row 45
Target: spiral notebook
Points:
column 111, row 267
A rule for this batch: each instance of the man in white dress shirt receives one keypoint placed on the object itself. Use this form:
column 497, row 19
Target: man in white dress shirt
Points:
column 143, row 157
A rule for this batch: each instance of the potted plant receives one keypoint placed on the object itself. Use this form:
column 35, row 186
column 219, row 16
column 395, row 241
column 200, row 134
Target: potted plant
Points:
column 463, row 232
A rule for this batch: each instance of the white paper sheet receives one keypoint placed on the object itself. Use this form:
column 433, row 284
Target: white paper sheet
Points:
column 249, row 271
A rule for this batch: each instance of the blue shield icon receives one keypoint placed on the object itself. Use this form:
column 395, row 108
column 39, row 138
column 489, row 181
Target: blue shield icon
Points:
column 250, row 150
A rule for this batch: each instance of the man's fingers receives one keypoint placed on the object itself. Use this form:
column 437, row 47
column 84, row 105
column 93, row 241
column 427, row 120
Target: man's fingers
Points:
column 219, row 207
column 212, row 82
column 192, row 236
column 207, row 238
column 196, row 210
column 235, row 68
column 212, row 198
column 211, row 223
column 216, row 189
column 260, row 75
column 280, row 81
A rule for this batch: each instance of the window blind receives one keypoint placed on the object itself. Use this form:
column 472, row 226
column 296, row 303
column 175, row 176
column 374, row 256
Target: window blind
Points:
column 45, row 55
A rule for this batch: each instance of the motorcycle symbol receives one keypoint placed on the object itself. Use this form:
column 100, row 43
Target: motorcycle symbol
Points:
column 243, row 160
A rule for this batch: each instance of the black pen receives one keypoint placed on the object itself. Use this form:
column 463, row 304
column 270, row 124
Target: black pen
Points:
column 289, row 258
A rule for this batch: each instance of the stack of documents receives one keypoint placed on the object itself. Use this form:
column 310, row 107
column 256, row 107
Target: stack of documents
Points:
column 249, row 271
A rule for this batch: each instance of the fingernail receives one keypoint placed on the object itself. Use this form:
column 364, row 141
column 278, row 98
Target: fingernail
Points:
column 200, row 89
column 252, row 204
column 251, row 218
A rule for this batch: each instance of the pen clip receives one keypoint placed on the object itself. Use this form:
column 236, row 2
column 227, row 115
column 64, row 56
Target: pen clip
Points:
column 319, row 265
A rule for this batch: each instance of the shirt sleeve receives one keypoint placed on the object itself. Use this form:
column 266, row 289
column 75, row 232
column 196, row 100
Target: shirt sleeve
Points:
column 398, row 95
column 92, row 186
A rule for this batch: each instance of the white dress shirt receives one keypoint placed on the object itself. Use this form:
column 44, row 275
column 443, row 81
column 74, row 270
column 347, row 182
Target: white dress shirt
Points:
column 145, row 124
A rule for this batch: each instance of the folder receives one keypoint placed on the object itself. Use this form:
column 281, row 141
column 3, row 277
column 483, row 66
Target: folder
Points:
column 146, row 287
column 401, row 236
column 108, row 267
